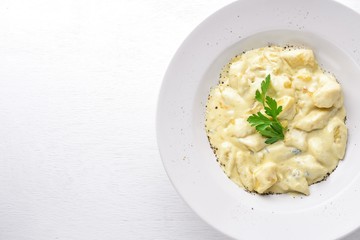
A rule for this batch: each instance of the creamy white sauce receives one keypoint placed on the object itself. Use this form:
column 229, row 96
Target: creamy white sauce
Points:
column 313, row 115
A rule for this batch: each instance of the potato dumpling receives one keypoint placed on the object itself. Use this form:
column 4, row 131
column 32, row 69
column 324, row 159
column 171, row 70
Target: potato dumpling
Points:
column 299, row 58
column 327, row 95
column 265, row 176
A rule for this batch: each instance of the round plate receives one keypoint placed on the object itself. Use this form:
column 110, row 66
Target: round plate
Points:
column 332, row 210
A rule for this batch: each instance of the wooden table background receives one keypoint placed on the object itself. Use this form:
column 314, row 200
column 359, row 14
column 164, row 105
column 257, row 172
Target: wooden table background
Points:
column 79, row 82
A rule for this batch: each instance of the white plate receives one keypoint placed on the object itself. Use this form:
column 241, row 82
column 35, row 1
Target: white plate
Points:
column 332, row 31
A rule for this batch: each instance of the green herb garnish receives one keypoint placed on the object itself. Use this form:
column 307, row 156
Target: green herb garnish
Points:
column 268, row 126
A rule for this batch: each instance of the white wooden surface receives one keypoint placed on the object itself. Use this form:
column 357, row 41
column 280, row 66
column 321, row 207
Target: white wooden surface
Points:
column 78, row 90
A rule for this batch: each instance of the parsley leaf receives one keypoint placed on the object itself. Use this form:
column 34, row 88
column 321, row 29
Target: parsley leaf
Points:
column 272, row 110
column 260, row 96
column 269, row 127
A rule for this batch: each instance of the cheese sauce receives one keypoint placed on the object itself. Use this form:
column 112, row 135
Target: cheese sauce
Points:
column 313, row 117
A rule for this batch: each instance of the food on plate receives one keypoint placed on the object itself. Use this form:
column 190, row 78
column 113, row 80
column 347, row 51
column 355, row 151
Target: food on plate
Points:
column 276, row 120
